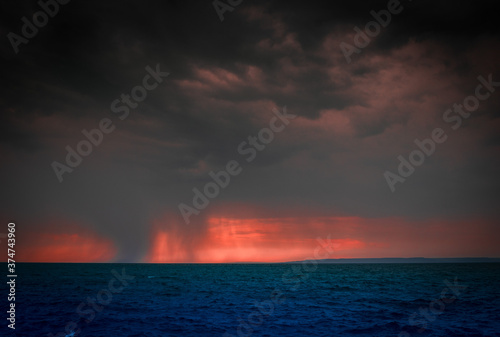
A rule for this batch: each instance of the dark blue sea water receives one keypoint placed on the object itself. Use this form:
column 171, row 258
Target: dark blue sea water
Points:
column 255, row 300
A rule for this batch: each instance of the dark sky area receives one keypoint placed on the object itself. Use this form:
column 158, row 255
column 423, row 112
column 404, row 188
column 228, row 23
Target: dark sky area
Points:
column 323, row 174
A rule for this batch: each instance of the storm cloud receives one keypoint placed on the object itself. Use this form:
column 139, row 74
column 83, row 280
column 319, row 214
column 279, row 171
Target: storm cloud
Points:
column 225, row 78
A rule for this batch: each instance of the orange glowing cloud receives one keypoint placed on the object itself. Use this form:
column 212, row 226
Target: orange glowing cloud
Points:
column 63, row 243
column 229, row 240
column 168, row 243
column 166, row 248
column 264, row 240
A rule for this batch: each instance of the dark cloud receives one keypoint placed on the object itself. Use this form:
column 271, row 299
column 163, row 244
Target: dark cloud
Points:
column 225, row 79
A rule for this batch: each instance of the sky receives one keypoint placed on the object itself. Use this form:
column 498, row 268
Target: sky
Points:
column 309, row 122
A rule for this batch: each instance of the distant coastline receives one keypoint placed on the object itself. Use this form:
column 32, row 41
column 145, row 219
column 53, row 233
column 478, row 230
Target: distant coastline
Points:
column 408, row 260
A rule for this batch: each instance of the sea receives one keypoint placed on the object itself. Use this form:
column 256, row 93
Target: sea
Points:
column 299, row 299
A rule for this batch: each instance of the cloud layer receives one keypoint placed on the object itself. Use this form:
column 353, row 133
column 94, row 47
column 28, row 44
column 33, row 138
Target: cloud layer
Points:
column 354, row 120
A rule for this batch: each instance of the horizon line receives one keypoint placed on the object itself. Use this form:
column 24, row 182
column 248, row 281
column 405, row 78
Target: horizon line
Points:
column 325, row 261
